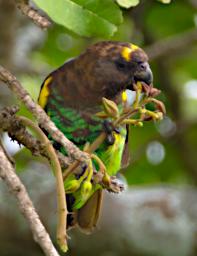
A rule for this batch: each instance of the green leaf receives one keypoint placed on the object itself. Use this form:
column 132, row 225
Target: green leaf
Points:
column 106, row 9
column 85, row 18
column 128, row 3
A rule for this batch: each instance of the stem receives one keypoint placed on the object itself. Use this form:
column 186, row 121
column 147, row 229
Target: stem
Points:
column 89, row 150
column 98, row 141
column 61, row 201
column 126, row 115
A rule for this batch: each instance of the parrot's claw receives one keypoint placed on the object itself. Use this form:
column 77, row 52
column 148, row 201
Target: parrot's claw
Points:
column 102, row 169
column 109, row 129
column 89, row 167
column 115, row 186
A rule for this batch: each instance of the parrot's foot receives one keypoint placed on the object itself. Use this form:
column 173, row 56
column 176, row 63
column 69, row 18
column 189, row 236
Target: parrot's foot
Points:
column 101, row 167
column 109, row 129
column 102, row 171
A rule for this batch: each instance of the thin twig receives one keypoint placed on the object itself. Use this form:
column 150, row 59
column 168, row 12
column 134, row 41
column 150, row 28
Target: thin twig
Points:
column 61, row 200
column 33, row 14
column 7, row 173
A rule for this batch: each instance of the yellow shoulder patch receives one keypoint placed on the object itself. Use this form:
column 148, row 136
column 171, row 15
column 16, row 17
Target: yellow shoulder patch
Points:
column 124, row 96
column 126, row 52
column 44, row 93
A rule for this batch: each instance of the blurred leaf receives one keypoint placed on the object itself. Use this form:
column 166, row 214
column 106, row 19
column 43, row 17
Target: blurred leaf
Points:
column 128, row 3
column 58, row 48
column 141, row 171
column 164, row 1
column 106, row 9
column 85, row 18
column 180, row 17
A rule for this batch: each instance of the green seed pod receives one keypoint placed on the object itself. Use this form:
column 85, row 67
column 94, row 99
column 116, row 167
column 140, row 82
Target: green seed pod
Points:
column 110, row 108
column 159, row 116
column 106, row 179
column 71, row 186
column 101, row 115
column 86, row 188
column 140, row 124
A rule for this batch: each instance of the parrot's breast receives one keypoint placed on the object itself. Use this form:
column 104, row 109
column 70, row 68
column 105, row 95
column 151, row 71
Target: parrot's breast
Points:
column 81, row 127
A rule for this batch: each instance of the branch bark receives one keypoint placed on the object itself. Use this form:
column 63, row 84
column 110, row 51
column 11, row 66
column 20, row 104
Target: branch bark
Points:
column 33, row 14
column 7, row 173
column 17, row 131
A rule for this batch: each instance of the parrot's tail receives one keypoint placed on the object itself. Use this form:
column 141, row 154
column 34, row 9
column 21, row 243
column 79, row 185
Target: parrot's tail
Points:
column 86, row 217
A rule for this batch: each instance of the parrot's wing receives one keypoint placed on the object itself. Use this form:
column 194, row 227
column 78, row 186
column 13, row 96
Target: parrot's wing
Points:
column 126, row 154
column 88, row 215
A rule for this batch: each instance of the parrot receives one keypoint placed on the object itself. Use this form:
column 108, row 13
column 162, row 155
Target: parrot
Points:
column 72, row 94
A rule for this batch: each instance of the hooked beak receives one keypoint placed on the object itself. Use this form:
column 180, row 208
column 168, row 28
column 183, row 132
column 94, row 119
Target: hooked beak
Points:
column 144, row 74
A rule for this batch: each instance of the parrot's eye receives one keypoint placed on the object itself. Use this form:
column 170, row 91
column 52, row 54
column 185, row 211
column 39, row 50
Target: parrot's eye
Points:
column 121, row 65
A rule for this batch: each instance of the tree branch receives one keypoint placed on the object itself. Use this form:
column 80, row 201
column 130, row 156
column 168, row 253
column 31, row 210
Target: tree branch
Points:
column 17, row 131
column 7, row 173
column 61, row 200
column 171, row 44
column 43, row 120
column 33, row 14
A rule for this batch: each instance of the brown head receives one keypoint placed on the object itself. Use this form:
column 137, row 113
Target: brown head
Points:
column 109, row 67
column 105, row 69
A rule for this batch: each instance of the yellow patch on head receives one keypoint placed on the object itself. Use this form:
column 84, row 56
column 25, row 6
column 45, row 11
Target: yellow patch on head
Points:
column 126, row 52
column 44, row 93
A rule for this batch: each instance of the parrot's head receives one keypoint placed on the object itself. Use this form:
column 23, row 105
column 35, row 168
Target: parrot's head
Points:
column 115, row 66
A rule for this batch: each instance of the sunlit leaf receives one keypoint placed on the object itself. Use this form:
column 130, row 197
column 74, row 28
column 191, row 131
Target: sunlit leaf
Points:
column 106, row 9
column 85, row 18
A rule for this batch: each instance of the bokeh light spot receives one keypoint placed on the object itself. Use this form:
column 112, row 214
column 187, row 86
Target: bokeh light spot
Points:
column 155, row 152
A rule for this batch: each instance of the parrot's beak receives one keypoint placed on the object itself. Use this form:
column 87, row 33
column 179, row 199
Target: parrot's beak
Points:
column 144, row 74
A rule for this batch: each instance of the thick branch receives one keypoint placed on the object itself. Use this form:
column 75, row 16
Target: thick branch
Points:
column 7, row 20
column 11, row 123
column 7, row 173
column 61, row 200
column 33, row 14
